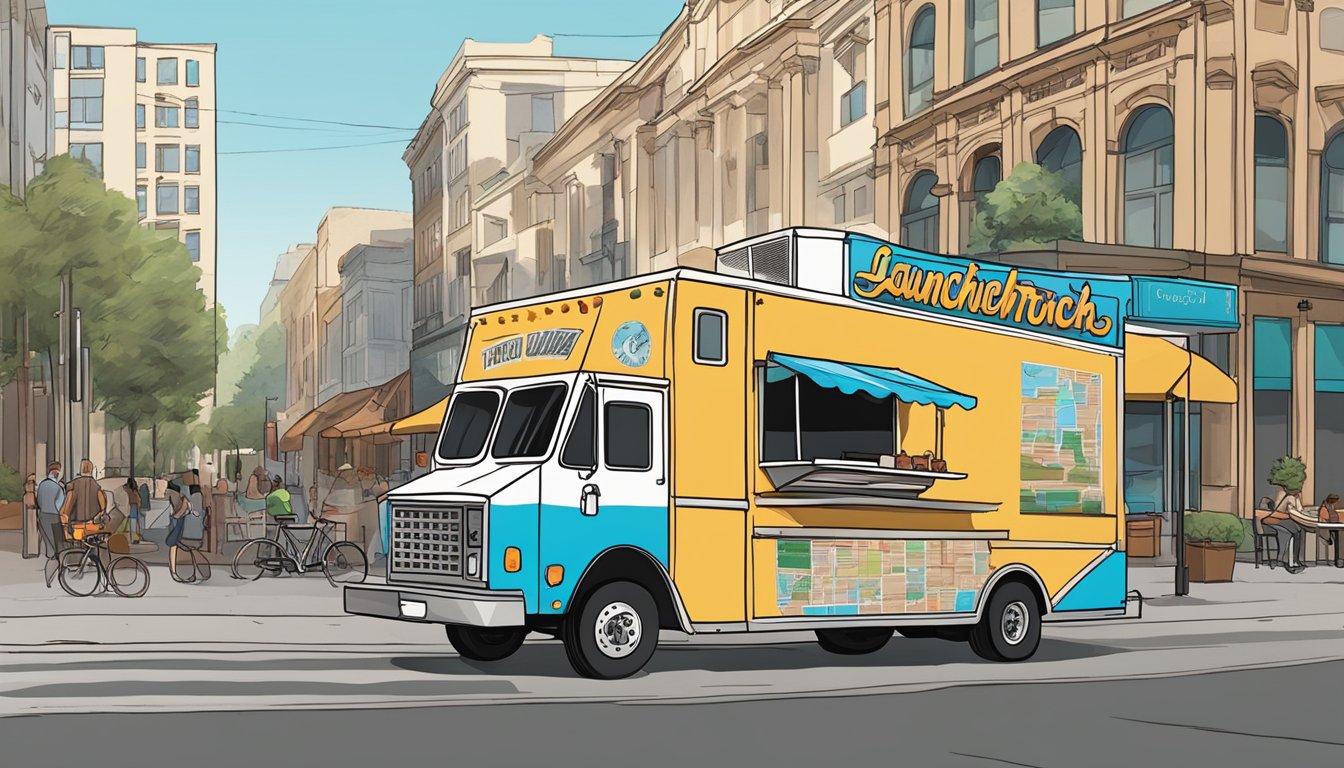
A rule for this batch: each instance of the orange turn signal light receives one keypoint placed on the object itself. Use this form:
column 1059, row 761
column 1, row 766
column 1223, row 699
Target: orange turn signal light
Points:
column 513, row 560
column 555, row 574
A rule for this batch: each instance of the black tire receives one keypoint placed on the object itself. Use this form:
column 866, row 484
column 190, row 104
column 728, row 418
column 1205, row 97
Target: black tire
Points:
column 626, row 617
column 853, row 642
column 1010, row 629
column 917, row 633
column 258, row 557
column 345, row 563
column 128, row 576
column 481, row 644
column 79, row 573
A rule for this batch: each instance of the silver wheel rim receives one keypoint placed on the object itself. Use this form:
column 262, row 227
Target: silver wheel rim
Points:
column 618, row 630
column 1015, row 623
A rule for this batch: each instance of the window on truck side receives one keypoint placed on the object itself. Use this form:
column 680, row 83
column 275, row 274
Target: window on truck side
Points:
column 711, row 337
column 580, row 451
column 628, row 431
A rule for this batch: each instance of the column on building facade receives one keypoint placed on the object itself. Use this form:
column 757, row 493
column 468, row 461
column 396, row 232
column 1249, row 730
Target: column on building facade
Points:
column 685, row 189
column 707, row 192
column 1303, row 176
column 642, row 189
column 1094, row 133
column 1223, row 154
column 1185, row 164
column 777, row 131
column 945, row 166
column 886, row 82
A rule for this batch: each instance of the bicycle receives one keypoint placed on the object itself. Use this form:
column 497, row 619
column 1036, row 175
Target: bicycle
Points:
column 81, row 569
column 200, row 565
column 342, row 562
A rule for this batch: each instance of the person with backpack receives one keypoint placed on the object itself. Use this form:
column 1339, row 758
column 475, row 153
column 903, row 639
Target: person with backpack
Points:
column 179, row 506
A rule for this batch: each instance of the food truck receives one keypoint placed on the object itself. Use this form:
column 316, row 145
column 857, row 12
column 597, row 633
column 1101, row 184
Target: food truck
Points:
column 828, row 433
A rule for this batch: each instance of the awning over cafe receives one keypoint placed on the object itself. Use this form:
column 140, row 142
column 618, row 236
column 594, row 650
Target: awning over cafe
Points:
column 1158, row 369
column 427, row 421
column 333, row 411
column 376, row 417
column 878, row 382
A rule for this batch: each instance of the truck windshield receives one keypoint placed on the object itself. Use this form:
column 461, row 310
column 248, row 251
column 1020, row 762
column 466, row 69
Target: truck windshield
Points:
column 528, row 422
column 468, row 425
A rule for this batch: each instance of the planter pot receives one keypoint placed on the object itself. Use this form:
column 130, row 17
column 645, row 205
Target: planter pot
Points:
column 1210, row 562
column 1143, row 535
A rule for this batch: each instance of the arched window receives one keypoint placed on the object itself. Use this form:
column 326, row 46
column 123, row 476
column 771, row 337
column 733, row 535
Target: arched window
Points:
column 986, row 173
column 919, row 62
column 1054, row 21
column 1149, row 168
column 919, row 223
column 1332, row 201
column 1271, row 185
column 1062, row 153
column 982, row 37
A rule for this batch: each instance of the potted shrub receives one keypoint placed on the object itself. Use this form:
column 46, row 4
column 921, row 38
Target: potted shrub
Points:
column 1211, row 540
column 1288, row 473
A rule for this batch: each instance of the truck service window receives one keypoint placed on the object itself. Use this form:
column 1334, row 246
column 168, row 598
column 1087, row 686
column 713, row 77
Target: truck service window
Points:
column 529, row 420
column 629, row 436
column 580, row 451
column 468, row 425
column 805, row 421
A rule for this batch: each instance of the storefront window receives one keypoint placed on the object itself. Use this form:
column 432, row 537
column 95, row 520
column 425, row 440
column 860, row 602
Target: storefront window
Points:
column 1272, row 397
column 1329, row 409
column 1145, row 489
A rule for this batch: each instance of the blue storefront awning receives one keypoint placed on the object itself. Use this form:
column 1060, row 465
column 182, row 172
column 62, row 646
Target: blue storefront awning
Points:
column 877, row 382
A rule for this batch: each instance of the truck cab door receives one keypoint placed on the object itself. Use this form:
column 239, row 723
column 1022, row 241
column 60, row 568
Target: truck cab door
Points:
column 606, row 487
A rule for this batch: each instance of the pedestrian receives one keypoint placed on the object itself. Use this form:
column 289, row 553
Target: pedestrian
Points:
column 133, row 510
column 84, row 499
column 200, row 505
column 1329, row 513
column 179, row 506
column 50, row 499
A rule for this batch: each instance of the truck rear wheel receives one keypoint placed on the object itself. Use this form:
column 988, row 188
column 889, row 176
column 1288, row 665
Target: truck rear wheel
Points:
column 613, row 633
column 1010, row 629
column 480, row 644
column 852, row 642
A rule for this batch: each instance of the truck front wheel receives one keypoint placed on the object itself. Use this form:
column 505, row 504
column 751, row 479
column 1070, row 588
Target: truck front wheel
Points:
column 613, row 633
column 479, row 644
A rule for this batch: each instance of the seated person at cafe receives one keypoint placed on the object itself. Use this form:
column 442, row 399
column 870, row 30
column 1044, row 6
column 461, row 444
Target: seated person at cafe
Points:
column 277, row 502
column 1284, row 522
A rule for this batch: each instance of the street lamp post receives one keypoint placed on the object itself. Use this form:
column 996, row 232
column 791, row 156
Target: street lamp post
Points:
column 266, row 417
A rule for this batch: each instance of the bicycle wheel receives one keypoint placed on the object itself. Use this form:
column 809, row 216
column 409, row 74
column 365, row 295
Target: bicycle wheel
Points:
column 200, row 566
column 128, row 576
column 258, row 557
column 79, row 573
column 344, row 563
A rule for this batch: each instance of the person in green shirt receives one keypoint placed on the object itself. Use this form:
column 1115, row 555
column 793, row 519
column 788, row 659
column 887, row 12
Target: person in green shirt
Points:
column 277, row 501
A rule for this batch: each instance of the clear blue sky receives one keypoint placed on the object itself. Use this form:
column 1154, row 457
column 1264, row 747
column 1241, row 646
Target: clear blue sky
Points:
column 345, row 60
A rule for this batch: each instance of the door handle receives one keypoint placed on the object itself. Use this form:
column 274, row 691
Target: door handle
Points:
column 588, row 501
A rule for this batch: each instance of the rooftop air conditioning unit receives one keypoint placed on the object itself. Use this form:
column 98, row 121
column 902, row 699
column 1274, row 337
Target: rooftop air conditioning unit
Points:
column 805, row 258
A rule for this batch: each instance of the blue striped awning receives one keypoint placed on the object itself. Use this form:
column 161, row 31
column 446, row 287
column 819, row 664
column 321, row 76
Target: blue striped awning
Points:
column 878, row 382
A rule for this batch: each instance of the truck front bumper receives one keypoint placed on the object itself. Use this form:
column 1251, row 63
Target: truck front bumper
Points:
column 437, row 605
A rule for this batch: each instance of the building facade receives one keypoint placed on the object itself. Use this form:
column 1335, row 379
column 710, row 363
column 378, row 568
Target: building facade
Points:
column 1198, row 139
column 143, row 114
column 744, row 117
column 495, row 104
column 25, row 110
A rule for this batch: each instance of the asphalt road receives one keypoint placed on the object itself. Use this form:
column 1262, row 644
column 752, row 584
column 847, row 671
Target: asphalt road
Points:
column 1288, row 716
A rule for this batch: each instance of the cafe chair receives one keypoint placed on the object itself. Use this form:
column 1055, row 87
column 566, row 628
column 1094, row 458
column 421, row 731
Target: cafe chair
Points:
column 1264, row 540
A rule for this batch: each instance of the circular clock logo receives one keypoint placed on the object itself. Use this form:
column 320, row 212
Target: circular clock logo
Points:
column 631, row 344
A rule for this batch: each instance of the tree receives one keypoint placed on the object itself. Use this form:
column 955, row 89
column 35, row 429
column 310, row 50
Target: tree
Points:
column 239, row 424
column 1026, row 210
column 151, row 338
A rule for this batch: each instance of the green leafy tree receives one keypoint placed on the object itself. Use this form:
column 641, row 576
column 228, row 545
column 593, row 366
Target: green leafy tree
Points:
column 239, row 424
column 1026, row 210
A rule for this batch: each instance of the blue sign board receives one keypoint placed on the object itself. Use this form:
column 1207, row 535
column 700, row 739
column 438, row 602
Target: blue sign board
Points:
column 1167, row 301
column 1068, row 305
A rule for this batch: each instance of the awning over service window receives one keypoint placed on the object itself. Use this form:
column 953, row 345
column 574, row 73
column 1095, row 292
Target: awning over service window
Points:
column 1157, row 369
column 877, row 382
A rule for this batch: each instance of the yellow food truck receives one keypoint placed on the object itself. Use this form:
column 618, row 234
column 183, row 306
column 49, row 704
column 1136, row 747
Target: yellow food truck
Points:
column 828, row 433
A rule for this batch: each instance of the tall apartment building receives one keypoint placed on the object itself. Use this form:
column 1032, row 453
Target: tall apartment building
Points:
column 144, row 115
column 25, row 110
column 1198, row 139
column 493, row 106
column 743, row 117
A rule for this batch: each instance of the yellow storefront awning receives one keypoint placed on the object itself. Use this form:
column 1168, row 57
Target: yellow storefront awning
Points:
column 1157, row 369
column 425, row 422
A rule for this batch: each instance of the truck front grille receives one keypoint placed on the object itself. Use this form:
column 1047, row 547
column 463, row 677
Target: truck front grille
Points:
column 433, row 539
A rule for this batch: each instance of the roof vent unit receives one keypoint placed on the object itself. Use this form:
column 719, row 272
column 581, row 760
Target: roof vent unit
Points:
column 805, row 258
